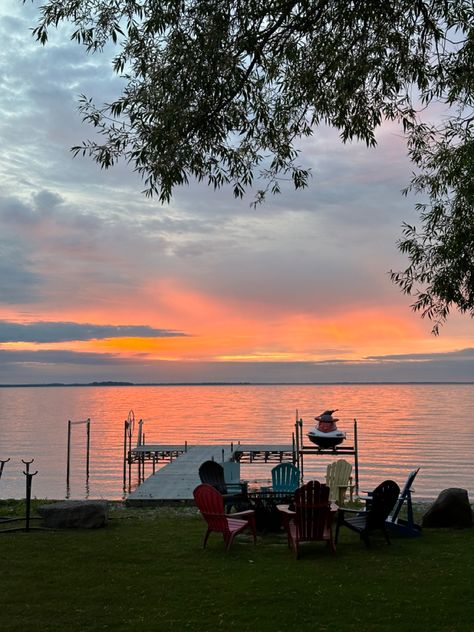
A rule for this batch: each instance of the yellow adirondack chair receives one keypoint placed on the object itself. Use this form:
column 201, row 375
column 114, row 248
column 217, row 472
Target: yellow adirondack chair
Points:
column 339, row 479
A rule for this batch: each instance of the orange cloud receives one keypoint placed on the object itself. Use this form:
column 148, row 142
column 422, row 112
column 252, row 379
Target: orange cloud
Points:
column 229, row 330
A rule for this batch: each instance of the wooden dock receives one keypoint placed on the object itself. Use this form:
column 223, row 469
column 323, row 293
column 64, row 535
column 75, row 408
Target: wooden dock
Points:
column 176, row 480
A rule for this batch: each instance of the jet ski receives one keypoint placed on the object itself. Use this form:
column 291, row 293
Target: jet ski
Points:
column 325, row 434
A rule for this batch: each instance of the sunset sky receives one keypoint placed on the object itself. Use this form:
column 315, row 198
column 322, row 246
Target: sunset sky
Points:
column 98, row 282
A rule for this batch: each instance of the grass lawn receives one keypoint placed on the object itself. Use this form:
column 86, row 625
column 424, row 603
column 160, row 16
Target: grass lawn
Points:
column 147, row 571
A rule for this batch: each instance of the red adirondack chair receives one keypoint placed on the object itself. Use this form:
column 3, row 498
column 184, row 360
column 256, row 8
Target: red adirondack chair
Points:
column 211, row 505
column 312, row 517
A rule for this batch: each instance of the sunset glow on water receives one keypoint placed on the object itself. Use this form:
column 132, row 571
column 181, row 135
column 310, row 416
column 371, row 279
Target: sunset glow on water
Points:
column 400, row 427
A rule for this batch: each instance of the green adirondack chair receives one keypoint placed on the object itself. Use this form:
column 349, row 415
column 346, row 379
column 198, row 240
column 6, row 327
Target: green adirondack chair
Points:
column 285, row 477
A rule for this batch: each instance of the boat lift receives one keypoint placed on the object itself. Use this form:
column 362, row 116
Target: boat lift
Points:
column 302, row 450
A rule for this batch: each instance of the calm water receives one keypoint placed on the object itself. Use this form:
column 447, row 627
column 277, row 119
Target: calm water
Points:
column 400, row 427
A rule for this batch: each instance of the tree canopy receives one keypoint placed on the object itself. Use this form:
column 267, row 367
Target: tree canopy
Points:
column 222, row 90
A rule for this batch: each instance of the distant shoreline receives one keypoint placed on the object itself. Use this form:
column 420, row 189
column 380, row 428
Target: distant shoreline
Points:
column 134, row 384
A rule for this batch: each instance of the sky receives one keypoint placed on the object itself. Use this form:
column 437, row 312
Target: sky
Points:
column 98, row 282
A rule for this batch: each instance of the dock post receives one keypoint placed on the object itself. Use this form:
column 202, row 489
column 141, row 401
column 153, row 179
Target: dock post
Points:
column 88, row 440
column 356, row 458
column 88, row 423
column 297, row 434
column 140, row 431
column 125, row 428
column 300, row 425
column 130, row 426
column 68, row 467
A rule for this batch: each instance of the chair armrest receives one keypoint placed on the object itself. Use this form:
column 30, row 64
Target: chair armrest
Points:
column 285, row 510
column 343, row 510
column 242, row 514
column 249, row 516
column 286, row 516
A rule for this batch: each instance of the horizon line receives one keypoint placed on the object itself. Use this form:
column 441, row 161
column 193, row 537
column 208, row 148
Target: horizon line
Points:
column 107, row 383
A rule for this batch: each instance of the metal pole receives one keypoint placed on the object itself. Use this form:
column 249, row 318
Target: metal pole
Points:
column 68, row 453
column 130, row 430
column 88, row 447
column 140, row 431
column 300, row 424
column 125, row 427
column 28, row 492
column 297, row 441
column 356, row 458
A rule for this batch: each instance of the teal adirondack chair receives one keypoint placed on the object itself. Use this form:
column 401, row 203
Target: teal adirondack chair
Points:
column 285, row 477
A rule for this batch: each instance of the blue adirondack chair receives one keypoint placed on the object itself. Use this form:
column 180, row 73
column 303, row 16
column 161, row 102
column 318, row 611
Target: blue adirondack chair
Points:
column 285, row 477
column 402, row 526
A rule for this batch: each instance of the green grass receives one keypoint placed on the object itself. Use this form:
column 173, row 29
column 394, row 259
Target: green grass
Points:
column 146, row 571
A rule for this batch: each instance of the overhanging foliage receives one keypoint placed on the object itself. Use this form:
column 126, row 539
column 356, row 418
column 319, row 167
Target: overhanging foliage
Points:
column 221, row 91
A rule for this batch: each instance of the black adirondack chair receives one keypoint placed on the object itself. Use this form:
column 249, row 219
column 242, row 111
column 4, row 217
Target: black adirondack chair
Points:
column 382, row 501
column 212, row 473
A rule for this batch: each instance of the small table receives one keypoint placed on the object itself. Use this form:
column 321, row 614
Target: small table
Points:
column 265, row 503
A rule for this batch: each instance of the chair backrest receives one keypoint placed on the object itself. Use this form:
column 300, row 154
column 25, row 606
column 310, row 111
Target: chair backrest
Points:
column 383, row 499
column 409, row 482
column 312, row 510
column 337, row 473
column 404, row 494
column 212, row 473
column 285, row 477
column 211, row 505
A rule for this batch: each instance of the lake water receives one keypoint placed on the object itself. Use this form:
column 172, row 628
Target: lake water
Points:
column 400, row 427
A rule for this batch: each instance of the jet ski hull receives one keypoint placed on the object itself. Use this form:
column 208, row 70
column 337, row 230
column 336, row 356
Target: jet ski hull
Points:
column 326, row 439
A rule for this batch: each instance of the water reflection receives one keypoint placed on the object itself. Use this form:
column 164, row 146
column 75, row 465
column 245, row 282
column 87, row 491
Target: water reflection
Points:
column 400, row 427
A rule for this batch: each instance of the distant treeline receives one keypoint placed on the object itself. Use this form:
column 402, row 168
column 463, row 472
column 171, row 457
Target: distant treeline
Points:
column 110, row 383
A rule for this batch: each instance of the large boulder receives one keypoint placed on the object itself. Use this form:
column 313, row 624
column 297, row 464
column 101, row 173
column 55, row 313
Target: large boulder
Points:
column 450, row 509
column 79, row 514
